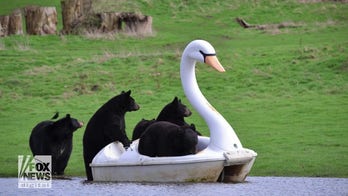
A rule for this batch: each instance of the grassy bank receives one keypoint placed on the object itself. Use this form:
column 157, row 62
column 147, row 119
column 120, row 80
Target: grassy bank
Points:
column 284, row 92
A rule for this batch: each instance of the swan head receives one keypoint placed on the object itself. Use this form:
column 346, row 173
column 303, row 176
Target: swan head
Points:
column 203, row 52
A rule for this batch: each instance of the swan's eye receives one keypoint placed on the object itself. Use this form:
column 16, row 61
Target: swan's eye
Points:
column 205, row 55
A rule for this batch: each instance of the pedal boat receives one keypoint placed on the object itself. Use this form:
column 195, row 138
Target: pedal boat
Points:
column 219, row 158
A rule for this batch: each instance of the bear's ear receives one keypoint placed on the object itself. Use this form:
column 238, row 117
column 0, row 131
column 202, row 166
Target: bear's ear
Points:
column 55, row 116
column 67, row 116
column 175, row 100
column 126, row 93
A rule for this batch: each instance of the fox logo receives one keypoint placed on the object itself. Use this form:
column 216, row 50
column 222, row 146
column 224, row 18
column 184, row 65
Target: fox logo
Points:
column 33, row 170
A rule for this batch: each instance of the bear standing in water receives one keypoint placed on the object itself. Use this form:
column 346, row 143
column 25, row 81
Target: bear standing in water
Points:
column 55, row 139
column 107, row 125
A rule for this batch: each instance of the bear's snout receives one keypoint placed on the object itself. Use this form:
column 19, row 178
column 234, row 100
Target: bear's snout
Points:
column 136, row 107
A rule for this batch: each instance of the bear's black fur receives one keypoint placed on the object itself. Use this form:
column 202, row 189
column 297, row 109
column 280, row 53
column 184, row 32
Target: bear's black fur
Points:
column 167, row 139
column 173, row 112
column 141, row 127
column 55, row 139
column 107, row 125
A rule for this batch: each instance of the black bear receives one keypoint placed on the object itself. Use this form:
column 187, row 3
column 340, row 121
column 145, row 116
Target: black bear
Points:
column 107, row 125
column 167, row 139
column 173, row 112
column 55, row 139
column 141, row 127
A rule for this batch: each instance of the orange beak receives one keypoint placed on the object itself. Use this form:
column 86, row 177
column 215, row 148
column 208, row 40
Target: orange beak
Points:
column 213, row 61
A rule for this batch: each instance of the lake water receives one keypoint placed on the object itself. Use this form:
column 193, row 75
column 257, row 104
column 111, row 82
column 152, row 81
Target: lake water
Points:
column 253, row 186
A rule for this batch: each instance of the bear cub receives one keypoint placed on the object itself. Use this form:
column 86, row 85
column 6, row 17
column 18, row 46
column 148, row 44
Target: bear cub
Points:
column 55, row 139
column 173, row 112
column 167, row 139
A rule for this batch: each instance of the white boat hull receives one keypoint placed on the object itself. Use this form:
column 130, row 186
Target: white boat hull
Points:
column 184, row 172
column 113, row 163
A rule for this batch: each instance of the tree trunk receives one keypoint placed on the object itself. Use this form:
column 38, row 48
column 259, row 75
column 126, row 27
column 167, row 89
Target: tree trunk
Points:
column 74, row 13
column 4, row 20
column 40, row 20
column 110, row 22
column 138, row 24
column 145, row 25
column 15, row 23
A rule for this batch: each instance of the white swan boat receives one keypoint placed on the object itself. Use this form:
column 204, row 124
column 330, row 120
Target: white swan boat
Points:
column 219, row 158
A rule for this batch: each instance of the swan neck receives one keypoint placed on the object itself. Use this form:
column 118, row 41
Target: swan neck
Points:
column 222, row 135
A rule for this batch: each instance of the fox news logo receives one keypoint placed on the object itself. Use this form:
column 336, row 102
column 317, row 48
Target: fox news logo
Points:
column 34, row 172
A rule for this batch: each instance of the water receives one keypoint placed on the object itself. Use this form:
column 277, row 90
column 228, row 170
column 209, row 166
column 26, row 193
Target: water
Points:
column 252, row 186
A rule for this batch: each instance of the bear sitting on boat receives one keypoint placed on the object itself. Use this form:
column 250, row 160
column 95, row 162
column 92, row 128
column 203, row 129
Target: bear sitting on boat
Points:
column 167, row 139
column 173, row 112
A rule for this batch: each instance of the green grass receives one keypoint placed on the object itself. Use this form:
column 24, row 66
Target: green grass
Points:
column 285, row 91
